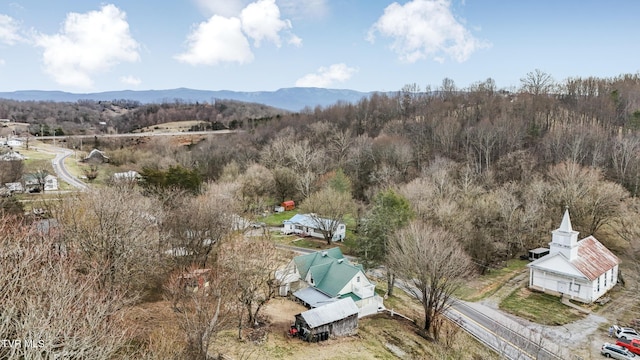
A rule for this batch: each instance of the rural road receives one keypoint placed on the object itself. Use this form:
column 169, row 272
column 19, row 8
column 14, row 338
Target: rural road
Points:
column 61, row 170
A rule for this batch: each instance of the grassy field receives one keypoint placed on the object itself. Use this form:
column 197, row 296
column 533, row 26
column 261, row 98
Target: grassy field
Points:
column 176, row 126
column 540, row 308
column 487, row 284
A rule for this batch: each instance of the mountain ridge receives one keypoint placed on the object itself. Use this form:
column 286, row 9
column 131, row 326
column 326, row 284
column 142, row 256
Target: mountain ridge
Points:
column 291, row 99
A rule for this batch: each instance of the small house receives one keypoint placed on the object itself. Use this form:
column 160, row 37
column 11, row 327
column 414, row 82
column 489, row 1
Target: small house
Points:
column 288, row 205
column 50, row 183
column 324, row 277
column 339, row 318
column 127, row 176
column 311, row 225
column 14, row 142
column 96, row 157
column 580, row 270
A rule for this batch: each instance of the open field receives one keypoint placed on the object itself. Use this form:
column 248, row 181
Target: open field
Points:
column 176, row 126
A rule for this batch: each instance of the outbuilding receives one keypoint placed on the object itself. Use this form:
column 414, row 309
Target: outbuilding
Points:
column 288, row 205
column 338, row 318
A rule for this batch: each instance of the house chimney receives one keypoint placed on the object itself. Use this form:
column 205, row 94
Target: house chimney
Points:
column 324, row 253
column 340, row 261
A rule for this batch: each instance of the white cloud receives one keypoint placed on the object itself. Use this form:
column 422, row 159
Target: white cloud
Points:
column 226, row 39
column 88, row 43
column 130, row 80
column 217, row 40
column 295, row 40
column 327, row 76
column 424, row 29
column 9, row 30
column 261, row 20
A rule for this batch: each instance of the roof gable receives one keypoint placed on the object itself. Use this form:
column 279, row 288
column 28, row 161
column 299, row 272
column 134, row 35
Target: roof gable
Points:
column 304, row 262
column 338, row 275
column 329, row 313
column 330, row 270
column 557, row 263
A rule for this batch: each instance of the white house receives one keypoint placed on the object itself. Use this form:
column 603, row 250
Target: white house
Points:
column 581, row 270
column 326, row 276
column 50, row 183
column 127, row 176
column 14, row 142
column 310, row 225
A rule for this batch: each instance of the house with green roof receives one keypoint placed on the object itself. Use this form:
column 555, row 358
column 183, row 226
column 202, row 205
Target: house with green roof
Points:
column 325, row 276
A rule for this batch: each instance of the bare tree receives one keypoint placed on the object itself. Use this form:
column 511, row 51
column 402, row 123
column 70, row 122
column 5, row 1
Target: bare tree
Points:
column 113, row 231
column 433, row 264
column 199, row 301
column 251, row 265
column 194, row 226
column 257, row 185
column 537, row 82
column 48, row 309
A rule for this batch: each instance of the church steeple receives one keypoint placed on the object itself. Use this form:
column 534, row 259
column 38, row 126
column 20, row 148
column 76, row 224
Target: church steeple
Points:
column 566, row 222
column 564, row 240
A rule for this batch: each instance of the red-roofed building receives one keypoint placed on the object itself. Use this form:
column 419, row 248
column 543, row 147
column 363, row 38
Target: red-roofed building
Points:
column 581, row 270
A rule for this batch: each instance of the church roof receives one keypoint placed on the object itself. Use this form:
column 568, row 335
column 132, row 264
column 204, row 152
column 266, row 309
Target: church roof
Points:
column 594, row 259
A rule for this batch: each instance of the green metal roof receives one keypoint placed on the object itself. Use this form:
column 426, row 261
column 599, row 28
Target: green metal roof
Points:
column 351, row 295
column 330, row 270
column 304, row 262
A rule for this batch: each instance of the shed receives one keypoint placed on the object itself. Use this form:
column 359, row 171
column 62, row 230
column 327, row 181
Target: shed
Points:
column 288, row 205
column 338, row 318
column 538, row 253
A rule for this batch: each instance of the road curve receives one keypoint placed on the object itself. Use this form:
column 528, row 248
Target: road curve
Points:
column 61, row 170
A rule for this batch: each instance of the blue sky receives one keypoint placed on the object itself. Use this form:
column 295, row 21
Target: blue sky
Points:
column 367, row 45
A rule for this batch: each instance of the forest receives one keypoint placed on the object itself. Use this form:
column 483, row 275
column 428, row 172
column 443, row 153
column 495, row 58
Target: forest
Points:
column 488, row 169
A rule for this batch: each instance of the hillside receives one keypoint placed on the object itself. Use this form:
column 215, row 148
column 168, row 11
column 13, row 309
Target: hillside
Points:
column 291, row 99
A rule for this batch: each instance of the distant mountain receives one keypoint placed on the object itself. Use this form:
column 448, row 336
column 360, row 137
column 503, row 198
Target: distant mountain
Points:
column 292, row 99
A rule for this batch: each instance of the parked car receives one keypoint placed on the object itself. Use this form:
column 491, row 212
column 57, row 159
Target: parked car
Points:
column 625, row 332
column 616, row 352
column 632, row 345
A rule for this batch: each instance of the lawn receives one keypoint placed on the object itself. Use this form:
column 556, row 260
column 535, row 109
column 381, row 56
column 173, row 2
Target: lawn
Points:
column 492, row 281
column 539, row 307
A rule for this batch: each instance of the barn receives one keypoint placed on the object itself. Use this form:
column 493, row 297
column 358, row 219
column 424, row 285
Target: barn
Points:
column 338, row 318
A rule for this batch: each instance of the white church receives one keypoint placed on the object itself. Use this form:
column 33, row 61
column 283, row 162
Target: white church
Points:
column 580, row 270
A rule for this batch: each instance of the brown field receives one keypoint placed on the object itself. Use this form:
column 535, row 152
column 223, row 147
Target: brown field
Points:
column 175, row 126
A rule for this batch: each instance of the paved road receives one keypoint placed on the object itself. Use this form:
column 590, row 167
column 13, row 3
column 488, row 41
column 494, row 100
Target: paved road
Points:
column 505, row 336
column 143, row 134
column 61, row 170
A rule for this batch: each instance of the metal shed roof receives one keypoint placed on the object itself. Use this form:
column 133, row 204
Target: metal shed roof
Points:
column 331, row 312
column 313, row 297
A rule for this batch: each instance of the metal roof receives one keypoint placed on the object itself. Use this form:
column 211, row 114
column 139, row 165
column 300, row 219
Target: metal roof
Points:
column 329, row 269
column 594, row 259
column 313, row 297
column 331, row 312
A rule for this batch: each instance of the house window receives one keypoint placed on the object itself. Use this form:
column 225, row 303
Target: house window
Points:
column 358, row 278
column 311, row 280
column 575, row 287
column 598, row 285
column 605, row 280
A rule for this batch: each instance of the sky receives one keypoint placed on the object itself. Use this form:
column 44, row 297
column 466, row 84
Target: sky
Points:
column 84, row 46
